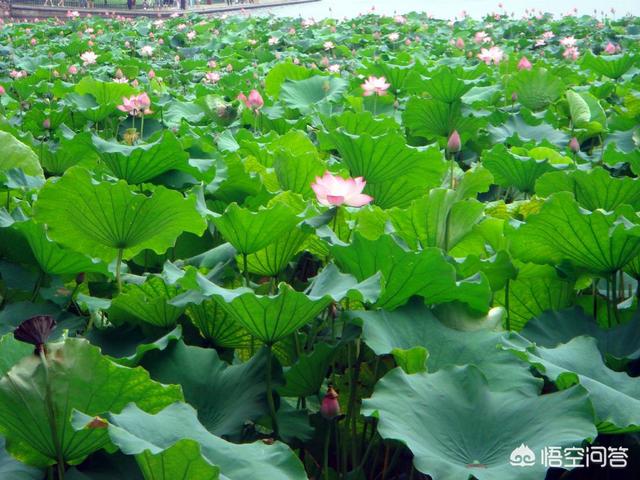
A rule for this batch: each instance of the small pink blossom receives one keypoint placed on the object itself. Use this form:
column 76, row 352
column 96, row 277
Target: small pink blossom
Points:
column 191, row 35
column 568, row 42
column 460, row 43
column 571, row 53
column 611, row 48
column 334, row 68
column 548, row 35
column 72, row 14
column 211, row 77
column 151, row 74
column 332, row 190
column 394, row 36
column 88, row 58
column 2, row 90
column 524, row 64
column 146, row 51
column 72, row 70
column 330, row 407
column 253, row 102
column 481, row 37
column 375, row 85
column 400, row 20
column 136, row 105
column 272, row 41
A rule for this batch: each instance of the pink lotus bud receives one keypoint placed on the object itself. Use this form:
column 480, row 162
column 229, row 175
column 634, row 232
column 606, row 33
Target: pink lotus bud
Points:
column 330, row 407
column 2, row 90
column 454, row 143
column 46, row 124
column 460, row 43
column 514, row 97
column 151, row 74
column 524, row 64
column 72, row 70
column 574, row 145
column 255, row 100
column 33, row 42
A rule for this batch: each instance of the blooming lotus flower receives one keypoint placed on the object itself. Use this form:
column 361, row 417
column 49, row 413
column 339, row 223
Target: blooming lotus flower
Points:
column 88, row 58
column 334, row 68
column 191, row 35
column 330, row 407
column 253, row 102
column 491, row 55
column 524, row 64
column 272, row 41
column 375, row 85
column 393, row 36
column 211, row 77
column 328, row 45
column 610, row 48
column 72, row 14
column 454, row 143
column 400, row 20
column 72, row 70
column 146, row 51
column 568, row 42
column 136, row 105
column 548, row 35
column 481, row 37
column 332, row 190
column 571, row 53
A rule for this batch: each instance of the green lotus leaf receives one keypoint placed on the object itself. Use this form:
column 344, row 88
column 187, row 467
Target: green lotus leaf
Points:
column 612, row 66
column 105, row 93
column 80, row 377
column 511, row 170
column 217, row 326
column 355, row 123
column 516, row 131
column 431, row 118
column 297, row 162
column 306, row 94
column 415, row 326
column 536, row 88
column 136, row 432
column 149, row 302
column 15, row 154
column 183, row 459
column 51, row 257
column 599, row 242
column 250, row 231
column 552, row 328
column 446, row 417
column 127, row 346
column 305, row 377
column 275, row 257
column 282, row 72
column 384, row 158
column 536, row 289
column 593, row 189
column 72, row 149
column 11, row 469
column 11, row 352
column 225, row 396
column 615, row 395
column 141, row 163
column 440, row 219
column 101, row 218
column 405, row 273
column 445, row 86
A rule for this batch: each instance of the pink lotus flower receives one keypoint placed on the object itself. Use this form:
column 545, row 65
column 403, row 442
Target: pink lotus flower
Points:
column 394, row 36
column 524, row 64
column 146, row 51
column 136, row 105
column 548, row 35
column 330, row 407
column 72, row 14
column 492, row 55
column 191, row 35
column 211, row 77
column 2, row 90
column 375, row 85
column 88, row 58
column 272, row 41
column 332, row 190
column 571, row 53
column 253, row 102
column 334, row 68
column 72, row 70
column 151, row 74
column 481, row 37
column 568, row 42
column 328, row 45
column 400, row 20
column 611, row 48
column 454, row 143
column 460, row 43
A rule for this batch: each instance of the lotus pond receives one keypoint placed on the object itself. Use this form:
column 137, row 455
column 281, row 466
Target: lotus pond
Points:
column 277, row 248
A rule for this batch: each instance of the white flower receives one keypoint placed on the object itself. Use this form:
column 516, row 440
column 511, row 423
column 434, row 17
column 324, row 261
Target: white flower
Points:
column 88, row 58
column 328, row 45
column 393, row 36
column 146, row 51
column 191, row 35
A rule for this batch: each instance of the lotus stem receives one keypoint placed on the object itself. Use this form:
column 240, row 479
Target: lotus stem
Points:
column 506, row 305
column 325, row 454
column 142, row 128
column 118, row 269
column 245, row 269
column 270, row 401
column 51, row 414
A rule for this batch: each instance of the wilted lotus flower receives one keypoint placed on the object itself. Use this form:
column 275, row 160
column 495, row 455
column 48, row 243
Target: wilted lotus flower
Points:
column 330, row 407
column 253, row 102
column 454, row 143
column 35, row 330
column 332, row 190
column 136, row 105
column 493, row 54
column 524, row 64
column 574, row 145
column 88, row 58
column 131, row 136
column 375, row 85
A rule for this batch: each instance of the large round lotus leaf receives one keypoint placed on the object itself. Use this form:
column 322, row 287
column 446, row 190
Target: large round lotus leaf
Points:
column 15, row 154
column 511, row 170
column 457, row 427
column 136, row 432
column 612, row 66
column 615, row 395
column 415, row 326
column 598, row 242
column 100, row 218
column 80, row 378
column 593, row 189
column 536, row 88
